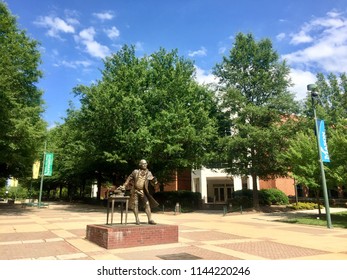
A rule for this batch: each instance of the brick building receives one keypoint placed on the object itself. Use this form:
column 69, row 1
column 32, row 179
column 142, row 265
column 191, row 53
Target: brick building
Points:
column 216, row 186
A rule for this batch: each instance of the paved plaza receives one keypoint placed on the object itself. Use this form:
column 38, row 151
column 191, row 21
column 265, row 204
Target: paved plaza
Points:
column 58, row 232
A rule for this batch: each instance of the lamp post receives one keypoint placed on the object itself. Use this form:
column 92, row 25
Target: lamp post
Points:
column 312, row 88
column 42, row 175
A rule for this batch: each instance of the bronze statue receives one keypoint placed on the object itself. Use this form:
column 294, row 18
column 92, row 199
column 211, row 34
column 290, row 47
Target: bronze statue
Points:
column 138, row 182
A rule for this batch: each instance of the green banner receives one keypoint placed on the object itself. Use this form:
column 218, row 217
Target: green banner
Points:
column 48, row 165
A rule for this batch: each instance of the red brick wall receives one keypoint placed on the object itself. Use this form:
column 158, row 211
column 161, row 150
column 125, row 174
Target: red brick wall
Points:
column 269, row 184
column 182, row 181
column 284, row 184
column 113, row 237
column 171, row 186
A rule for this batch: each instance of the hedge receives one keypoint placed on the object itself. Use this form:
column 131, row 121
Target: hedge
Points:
column 186, row 199
column 244, row 198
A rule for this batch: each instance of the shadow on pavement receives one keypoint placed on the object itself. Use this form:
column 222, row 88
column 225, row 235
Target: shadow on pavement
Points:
column 14, row 209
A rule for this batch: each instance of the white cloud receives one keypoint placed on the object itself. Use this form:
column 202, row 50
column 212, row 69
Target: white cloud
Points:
column 139, row 46
column 222, row 50
column 74, row 64
column 280, row 36
column 87, row 34
column 94, row 48
column 201, row 52
column 72, row 21
column 205, row 77
column 300, row 38
column 55, row 25
column 104, row 16
column 112, row 33
column 300, row 81
column 326, row 44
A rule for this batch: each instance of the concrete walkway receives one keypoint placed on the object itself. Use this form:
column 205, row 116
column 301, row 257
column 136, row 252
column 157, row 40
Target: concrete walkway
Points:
column 58, row 233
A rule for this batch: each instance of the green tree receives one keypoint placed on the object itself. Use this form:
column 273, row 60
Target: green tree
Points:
column 254, row 93
column 180, row 112
column 332, row 91
column 149, row 107
column 112, row 117
column 75, row 157
column 21, row 105
column 337, row 145
column 331, row 107
column 332, row 102
column 302, row 157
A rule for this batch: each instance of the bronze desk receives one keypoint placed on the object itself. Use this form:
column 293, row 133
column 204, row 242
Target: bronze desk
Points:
column 123, row 200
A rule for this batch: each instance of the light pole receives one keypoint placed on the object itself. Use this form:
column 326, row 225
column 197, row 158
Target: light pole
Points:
column 42, row 175
column 312, row 88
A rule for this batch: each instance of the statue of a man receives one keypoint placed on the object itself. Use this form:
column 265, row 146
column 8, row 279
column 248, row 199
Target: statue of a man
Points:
column 138, row 182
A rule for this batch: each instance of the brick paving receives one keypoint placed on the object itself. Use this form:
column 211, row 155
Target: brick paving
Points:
column 36, row 250
column 272, row 250
column 58, row 233
column 210, row 234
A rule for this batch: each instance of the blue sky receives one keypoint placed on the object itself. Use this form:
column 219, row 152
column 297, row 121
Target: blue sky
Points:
column 75, row 36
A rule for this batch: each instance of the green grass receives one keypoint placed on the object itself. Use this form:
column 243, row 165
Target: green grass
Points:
column 338, row 220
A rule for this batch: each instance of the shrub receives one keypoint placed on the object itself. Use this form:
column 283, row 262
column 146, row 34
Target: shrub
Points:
column 186, row 199
column 304, row 206
column 242, row 198
column 272, row 197
column 18, row 192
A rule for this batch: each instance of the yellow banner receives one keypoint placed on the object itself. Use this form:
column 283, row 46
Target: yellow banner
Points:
column 36, row 169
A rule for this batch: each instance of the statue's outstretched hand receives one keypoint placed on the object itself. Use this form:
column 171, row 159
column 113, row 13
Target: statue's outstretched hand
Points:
column 121, row 188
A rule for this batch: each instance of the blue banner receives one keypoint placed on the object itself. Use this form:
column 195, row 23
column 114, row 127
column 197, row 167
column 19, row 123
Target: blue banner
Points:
column 323, row 141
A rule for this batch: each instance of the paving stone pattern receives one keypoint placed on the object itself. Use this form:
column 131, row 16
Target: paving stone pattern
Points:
column 58, row 232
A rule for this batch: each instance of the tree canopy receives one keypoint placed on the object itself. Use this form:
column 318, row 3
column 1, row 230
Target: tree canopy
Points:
column 254, row 94
column 149, row 107
column 152, row 107
column 302, row 155
column 21, row 105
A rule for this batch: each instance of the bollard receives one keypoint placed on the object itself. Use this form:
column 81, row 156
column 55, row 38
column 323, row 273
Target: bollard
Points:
column 177, row 208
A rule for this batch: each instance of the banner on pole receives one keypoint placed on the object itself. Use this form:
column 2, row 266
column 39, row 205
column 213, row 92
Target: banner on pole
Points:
column 36, row 169
column 48, row 164
column 323, row 145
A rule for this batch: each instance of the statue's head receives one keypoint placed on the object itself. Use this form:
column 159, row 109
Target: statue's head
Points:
column 143, row 164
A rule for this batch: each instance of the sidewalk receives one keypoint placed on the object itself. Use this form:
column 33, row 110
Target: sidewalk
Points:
column 58, row 233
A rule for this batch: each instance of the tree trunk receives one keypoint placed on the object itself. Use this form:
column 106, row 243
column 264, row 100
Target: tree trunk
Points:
column 318, row 203
column 60, row 191
column 83, row 188
column 69, row 192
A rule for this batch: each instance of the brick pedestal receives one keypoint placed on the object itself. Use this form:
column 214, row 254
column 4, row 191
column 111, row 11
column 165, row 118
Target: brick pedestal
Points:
column 124, row 236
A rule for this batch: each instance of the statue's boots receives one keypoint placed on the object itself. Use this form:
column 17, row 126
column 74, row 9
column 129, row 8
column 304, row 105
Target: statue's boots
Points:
column 137, row 220
column 149, row 214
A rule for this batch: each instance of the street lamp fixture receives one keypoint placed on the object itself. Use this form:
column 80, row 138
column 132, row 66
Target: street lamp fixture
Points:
column 312, row 88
